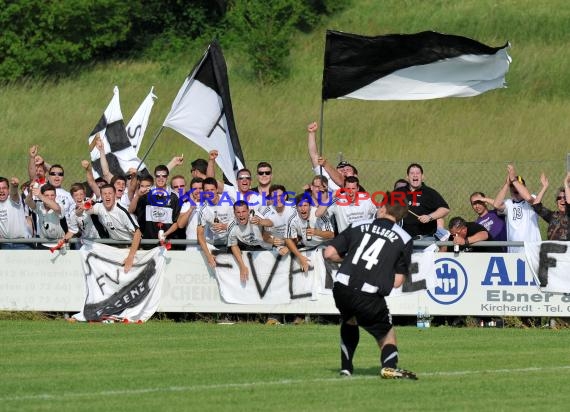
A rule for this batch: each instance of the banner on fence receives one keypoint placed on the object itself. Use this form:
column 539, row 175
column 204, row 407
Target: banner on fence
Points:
column 550, row 265
column 112, row 293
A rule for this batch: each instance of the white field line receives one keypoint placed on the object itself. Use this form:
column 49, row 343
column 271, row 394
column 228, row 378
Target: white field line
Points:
column 197, row 388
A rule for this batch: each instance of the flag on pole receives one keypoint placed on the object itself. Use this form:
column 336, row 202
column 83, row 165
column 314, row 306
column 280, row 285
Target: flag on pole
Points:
column 137, row 126
column 111, row 129
column 202, row 111
column 426, row 65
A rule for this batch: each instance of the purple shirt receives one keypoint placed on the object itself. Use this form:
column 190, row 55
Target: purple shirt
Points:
column 494, row 224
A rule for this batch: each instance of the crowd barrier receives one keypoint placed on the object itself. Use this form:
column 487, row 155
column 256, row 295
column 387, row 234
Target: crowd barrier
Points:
column 478, row 284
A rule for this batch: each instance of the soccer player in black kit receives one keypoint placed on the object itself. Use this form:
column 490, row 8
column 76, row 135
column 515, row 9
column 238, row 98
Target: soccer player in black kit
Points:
column 376, row 257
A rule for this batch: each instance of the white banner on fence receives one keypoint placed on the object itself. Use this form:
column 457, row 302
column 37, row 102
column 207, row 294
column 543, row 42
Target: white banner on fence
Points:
column 479, row 284
column 550, row 265
column 110, row 292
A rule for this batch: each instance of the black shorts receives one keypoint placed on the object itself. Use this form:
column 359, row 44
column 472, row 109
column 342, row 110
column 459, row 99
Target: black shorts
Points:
column 370, row 310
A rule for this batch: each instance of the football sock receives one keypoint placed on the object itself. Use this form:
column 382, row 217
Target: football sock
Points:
column 349, row 337
column 389, row 356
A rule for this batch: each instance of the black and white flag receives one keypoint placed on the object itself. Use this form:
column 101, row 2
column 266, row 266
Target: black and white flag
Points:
column 426, row 65
column 119, row 152
column 112, row 293
column 202, row 111
column 137, row 126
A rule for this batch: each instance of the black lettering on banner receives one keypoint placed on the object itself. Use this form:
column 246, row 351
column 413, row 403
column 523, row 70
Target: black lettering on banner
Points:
column 293, row 272
column 217, row 124
column 130, row 295
column 545, row 261
column 411, row 286
column 135, row 133
column 100, row 283
column 262, row 290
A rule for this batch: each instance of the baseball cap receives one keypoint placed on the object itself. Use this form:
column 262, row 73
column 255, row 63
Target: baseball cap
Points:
column 343, row 164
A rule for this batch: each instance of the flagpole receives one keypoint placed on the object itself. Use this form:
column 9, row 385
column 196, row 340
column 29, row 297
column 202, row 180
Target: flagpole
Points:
column 321, row 122
column 150, row 147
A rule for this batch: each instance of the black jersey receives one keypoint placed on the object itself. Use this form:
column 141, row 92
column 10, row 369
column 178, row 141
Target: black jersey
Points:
column 373, row 253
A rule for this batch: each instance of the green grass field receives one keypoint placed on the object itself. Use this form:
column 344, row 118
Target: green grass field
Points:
column 161, row 365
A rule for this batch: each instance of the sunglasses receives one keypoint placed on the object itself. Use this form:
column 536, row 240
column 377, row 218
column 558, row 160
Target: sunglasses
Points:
column 477, row 202
column 244, row 177
column 178, row 187
column 262, row 173
column 164, row 176
column 56, row 173
column 561, row 198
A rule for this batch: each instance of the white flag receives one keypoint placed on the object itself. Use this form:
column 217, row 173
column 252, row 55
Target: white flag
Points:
column 137, row 126
column 202, row 111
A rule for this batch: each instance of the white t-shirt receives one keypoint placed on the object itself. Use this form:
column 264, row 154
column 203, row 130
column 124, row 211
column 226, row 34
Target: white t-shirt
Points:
column 65, row 200
column 49, row 225
column 248, row 234
column 83, row 224
column 298, row 228
column 348, row 214
column 120, row 224
column 522, row 223
column 192, row 223
column 13, row 220
column 206, row 216
column 280, row 219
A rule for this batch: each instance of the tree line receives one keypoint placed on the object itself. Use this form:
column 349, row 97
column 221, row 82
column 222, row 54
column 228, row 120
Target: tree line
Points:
column 53, row 39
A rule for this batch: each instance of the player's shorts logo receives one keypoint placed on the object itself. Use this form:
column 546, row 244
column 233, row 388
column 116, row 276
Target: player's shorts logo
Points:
column 450, row 281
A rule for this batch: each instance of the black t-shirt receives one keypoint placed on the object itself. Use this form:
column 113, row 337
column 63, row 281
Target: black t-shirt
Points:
column 428, row 200
column 157, row 214
column 373, row 253
column 473, row 228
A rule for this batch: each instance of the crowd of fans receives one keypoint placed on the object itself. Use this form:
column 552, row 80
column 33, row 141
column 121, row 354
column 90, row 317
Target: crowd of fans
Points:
column 217, row 216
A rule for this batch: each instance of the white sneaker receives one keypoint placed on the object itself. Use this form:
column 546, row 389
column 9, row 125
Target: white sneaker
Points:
column 345, row 373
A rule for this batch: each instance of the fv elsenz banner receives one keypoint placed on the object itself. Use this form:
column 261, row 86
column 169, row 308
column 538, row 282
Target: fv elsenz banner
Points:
column 112, row 293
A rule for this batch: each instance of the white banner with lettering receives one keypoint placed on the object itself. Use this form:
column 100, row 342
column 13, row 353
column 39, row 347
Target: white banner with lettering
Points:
column 550, row 265
column 275, row 279
column 112, row 293
column 478, row 284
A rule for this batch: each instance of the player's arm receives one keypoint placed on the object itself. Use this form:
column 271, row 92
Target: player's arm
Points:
column 333, row 173
column 399, row 280
column 107, row 175
column 499, row 202
column 332, row 254
column 567, row 188
column 543, row 189
column 128, row 263
column 243, row 270
column 303, row 260
column 14, row 193
column 312, row 143
column 33, row 151
column 201, row 236
column 86, row 164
